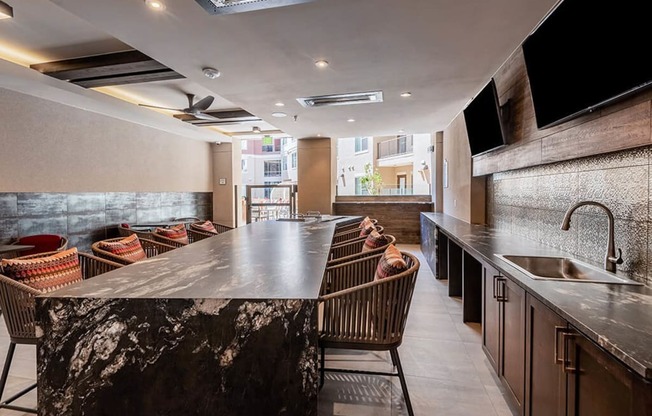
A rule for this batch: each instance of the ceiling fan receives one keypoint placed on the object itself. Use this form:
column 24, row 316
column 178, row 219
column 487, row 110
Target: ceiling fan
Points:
column 194, row 109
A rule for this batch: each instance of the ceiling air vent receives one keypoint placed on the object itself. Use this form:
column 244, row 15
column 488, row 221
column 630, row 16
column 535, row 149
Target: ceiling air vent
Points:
column 240, row 6
column 342, row 99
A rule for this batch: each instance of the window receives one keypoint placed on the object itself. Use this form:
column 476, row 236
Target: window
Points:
column 361, row 144
column 359, row 189
column 244, row 165
column 243, row 144
column 272, row 168
column 268, row 191
column 268, row 148
column 284, row 163
column 277, row 145
column 294, row 160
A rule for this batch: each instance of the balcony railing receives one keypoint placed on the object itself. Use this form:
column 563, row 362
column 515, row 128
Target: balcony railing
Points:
column 395, row 147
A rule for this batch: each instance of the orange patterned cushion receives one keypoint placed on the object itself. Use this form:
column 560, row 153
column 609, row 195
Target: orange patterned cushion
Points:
column 364, row 223
column 45, row 274
column 367, row 229
column 391, row 263
column 128, row 248
column 205, row 226
column 374, row 240
column 177, row 233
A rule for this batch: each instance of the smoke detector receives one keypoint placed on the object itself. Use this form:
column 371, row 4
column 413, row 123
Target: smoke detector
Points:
column 211, row 73
column 240, row 6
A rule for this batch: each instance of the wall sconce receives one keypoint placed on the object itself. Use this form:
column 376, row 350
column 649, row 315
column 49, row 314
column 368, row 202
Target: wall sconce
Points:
column 343, row 179
column 6, row 11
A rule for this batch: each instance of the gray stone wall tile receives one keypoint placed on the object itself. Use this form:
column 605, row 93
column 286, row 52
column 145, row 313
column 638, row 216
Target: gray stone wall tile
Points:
column 119, row 216
column 149, row 200
column 120, row 200
column 86, row 202
column 8, row 205
column 86, row 223
column 550, row 232
column 41, row 204
column 557, row 192
column 51, row 225
column 525, row 222
column 619, row 189
column 8, row 230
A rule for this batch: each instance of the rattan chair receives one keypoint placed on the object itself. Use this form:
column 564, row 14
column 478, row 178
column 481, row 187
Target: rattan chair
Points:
column 151, row 248
column 198, row 235
column 351, row 226
column 352, row 250
column 141, row 232
column 363, row 314
column 18, row 307
column 63, row 245
column 171, row 241
column 352, row 235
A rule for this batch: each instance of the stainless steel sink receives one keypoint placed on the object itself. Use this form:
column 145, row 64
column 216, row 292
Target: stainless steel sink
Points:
column 563, row 269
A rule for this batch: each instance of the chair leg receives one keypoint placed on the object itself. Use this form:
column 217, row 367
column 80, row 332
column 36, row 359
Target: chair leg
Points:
column 321, row 368
column 397, row 363
column 5, row 370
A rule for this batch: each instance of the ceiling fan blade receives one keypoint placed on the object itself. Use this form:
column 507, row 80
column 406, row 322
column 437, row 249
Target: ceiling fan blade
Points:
column 160, row 108
column 203, row 104
column 203, row 116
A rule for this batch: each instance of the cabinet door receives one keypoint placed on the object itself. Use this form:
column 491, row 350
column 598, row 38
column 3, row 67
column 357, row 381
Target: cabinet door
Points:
column 599, row 385
column 490, row 315
column 512, row 361
column 545, row 386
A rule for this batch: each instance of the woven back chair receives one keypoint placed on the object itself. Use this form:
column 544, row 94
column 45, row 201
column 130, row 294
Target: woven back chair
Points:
column 140, row 232
column 18, row 308
column 151, row 248
column 63, row 245
column 198, row 235
column 351, row 226
column 171, row 241
column 361, row 313
column 351, row 235
column 352, row 250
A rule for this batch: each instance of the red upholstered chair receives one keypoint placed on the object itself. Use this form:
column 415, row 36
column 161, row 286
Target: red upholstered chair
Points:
column 43, row 243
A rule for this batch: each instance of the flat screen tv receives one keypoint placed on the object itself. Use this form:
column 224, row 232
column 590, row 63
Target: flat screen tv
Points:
column 587, row 54
column 484, row 126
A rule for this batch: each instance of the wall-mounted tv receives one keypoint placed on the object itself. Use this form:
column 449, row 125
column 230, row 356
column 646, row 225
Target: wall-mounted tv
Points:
column 484, row 125
column 587, row 54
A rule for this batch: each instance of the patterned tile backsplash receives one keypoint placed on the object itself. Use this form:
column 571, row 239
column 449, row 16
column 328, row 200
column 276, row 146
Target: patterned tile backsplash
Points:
column 531, row 203
column 87, row 217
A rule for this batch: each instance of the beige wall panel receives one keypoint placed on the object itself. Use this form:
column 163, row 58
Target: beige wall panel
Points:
column 50, row 147
column 316, row 174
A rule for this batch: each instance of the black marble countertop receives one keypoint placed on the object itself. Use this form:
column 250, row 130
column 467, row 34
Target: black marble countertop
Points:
column 263, row 260
column 616, row 317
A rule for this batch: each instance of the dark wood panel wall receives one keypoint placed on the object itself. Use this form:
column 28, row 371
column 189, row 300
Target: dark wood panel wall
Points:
column 616, row 127
column 400, row 219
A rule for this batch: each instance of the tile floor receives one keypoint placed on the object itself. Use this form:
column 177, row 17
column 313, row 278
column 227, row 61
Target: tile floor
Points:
column 447, row 372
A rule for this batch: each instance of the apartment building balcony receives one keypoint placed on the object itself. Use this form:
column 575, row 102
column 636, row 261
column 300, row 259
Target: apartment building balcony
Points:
column 395, row 152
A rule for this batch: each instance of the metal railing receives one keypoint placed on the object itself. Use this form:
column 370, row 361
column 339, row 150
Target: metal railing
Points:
column 395, row 147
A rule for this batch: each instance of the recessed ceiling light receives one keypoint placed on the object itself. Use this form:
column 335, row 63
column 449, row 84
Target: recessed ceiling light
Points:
column 279, row 114
column 6, row 11
column 279, row 104
column 401, row 131
column 211, row 73
column 155, row 5
column 351, row 120
column 406, row 94
column 321, row 63
column 318, row 134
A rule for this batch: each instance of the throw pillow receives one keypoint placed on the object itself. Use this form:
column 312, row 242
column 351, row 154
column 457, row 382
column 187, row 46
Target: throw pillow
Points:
column 367, row 229
column 128, row 248
column 45, row 274
column 177, row 233
column 205, row 226
column 374, row 240
column 390, row 264
column 364, row 223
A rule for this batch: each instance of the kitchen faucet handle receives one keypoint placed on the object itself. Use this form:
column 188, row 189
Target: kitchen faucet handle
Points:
column 619, row 259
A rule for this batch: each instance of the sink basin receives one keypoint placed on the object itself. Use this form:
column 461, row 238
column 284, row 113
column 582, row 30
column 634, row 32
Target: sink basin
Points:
column 563, row 269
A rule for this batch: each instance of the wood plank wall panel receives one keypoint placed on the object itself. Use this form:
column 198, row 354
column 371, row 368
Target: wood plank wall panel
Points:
column 400, row 219
column 616, row 127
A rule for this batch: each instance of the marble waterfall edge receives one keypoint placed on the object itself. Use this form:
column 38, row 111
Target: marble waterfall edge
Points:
column 139, row 356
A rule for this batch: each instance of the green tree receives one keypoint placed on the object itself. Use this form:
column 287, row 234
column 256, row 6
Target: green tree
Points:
column 371, row 181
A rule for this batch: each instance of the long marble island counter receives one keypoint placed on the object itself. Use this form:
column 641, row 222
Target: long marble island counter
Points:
column 224, row 326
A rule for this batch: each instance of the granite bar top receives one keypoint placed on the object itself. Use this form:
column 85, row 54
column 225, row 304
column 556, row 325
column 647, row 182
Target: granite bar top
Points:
column 616, row 317
column 263, row 260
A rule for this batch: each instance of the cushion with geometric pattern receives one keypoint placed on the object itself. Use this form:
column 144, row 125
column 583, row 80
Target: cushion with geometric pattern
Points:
column 367, row 229
column 128, row 248
column 390, row 264
column 45, row 274
column 205, row 226
column 364, row 223
column 177, row 233
column 374, row 240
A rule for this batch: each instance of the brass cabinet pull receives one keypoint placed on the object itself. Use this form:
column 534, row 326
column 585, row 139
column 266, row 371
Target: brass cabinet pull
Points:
column 559, row 359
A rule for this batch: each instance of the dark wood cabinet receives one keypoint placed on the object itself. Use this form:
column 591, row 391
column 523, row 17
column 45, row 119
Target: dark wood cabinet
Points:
column 568, row 374
column 503, row 331
column 545, row 388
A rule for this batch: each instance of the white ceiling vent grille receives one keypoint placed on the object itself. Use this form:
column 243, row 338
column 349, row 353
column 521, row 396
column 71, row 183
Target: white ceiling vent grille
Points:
column 342, row 99
column 240, row 6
